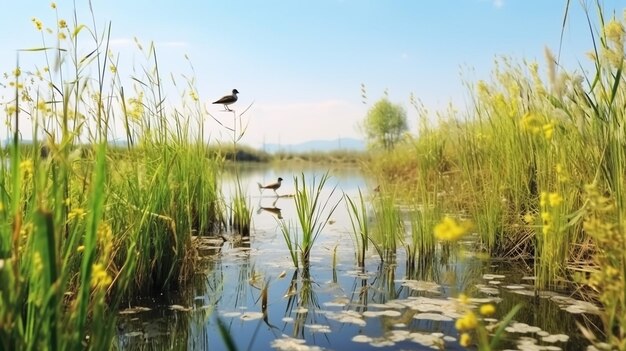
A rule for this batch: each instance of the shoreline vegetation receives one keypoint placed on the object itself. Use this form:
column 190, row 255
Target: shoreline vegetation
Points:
column 535, row 167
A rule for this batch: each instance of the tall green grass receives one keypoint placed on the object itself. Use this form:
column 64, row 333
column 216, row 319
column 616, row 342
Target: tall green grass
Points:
column 313, row 214
column 520, row 160
column 359, row 220
column 87, row 225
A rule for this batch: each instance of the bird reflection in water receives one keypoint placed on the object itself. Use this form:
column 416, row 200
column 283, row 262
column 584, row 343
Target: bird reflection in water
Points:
column 273, row 209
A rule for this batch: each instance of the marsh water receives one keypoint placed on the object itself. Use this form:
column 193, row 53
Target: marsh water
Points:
column 334, row 305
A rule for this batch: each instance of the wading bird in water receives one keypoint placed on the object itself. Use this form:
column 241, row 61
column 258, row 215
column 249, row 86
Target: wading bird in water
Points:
column 272, row 186
column 228, row 99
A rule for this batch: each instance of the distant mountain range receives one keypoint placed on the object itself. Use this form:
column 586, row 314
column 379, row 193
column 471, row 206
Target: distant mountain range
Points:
column 348, row 144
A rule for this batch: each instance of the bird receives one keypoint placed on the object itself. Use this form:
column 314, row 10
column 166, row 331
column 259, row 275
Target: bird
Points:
column 228, row 99
column 272, row 186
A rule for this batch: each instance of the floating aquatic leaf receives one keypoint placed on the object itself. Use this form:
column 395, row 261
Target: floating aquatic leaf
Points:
column 399, row 335
column 428, row 340
column 179, row 308
column 362, row 339
column 489, row 291
column 432, row 317
column 524, row 292
column 318, row 328
column 420, row 285
column 387, row 313
column 337, row 302
column 288, row 344
column 382, row 343
column 522, row 328
column 133, row 334
column 347, row 317
column 575, row 306
column 250, row 316
column 555, row 338
column 133, row 310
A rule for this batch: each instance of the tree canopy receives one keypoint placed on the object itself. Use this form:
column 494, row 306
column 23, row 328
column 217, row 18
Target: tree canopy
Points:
column 385, row 123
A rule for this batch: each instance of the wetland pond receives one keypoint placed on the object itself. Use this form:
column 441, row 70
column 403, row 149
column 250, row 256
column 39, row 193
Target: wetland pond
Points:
column 334, row 305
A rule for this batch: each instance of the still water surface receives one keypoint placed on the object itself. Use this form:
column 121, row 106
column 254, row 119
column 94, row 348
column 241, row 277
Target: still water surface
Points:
column 338, row 307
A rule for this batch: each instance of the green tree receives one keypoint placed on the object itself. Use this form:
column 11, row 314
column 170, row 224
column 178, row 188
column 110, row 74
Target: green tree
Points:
column 385, row 123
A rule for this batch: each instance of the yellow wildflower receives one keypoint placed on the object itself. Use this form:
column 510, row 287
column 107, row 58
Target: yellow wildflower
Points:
column 38, row 24
column 17, row 72
column 194, row 95
column 482, row 88
column 543, row 199
column 81, row 248
column 105, row 239
column 99, row 276
column 546, row 229
column 614, row 31
column 555, row 199
column 37, row 262
column 487, row 309
column 10, row 109
column 135, row 107
column 53, row 5
column 76, row 213
column 529, row 122
column 465, row 340
column 27, row 167
column 62, row 36
column 62, row 24
column 463, row 299
column 528, row 218
column 561, row 174
column 467, row 322
column 449, row 230
column 548, row 130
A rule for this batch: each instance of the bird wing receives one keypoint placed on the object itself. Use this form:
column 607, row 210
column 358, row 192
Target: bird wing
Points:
column 228, row 99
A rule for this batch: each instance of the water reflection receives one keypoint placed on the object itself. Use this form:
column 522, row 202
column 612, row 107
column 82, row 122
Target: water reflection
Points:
column 264, row 303
column 272, row 209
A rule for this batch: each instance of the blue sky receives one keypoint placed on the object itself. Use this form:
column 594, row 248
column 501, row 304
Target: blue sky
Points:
column 303, row 62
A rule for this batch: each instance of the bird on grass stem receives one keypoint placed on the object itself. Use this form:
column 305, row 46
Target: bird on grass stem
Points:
column 228, row 100
column 272, row 186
